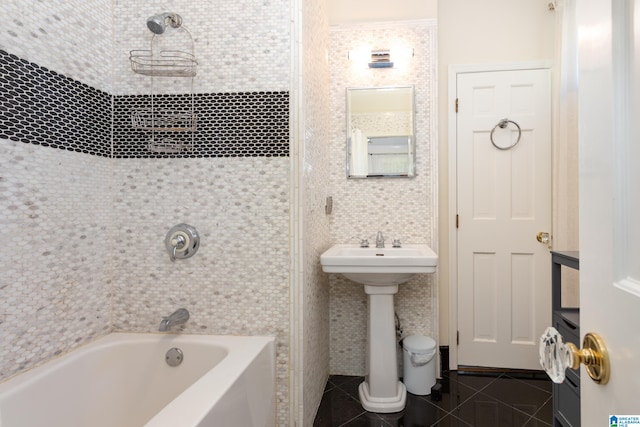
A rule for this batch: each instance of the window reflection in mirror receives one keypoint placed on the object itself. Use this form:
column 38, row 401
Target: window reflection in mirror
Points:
column 380, row 132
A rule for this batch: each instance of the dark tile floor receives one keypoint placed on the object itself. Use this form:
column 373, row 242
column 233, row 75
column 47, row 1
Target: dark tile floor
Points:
column 479, row 400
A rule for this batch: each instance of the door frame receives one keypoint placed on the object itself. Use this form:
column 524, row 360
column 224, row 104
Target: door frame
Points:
column 454, row 70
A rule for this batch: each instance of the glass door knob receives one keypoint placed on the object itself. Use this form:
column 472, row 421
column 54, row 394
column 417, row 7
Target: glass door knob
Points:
column 556, row 356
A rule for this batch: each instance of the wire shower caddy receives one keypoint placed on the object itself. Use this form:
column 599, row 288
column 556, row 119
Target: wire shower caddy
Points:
column 166, row 59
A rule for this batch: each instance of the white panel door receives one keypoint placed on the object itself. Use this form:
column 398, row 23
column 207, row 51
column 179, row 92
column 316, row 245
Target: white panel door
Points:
column 503, row 202
column 609, row 125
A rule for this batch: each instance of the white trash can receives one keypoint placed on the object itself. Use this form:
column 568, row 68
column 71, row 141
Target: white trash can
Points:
column 419, row 364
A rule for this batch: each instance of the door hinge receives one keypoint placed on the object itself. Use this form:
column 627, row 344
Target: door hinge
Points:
column 456, row 105
column 457, row 337
column 457, row 221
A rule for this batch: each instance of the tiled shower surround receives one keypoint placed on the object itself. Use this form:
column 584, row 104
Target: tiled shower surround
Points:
column 92, row 222
column 238, row 283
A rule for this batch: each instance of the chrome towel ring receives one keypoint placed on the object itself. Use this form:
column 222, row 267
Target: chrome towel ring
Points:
column 503, row 124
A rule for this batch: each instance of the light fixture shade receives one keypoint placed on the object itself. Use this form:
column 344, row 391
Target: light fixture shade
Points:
column 402, row 53
column 381, row 58
column 361, row 55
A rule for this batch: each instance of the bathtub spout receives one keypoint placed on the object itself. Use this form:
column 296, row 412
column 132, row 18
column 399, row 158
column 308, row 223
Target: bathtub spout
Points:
column 178, row 317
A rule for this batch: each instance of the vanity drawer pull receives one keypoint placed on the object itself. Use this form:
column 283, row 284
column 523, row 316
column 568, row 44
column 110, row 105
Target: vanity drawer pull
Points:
column 571, row 381
column 569, row 324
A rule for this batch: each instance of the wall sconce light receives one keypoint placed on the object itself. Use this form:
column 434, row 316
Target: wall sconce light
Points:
column 381, row 58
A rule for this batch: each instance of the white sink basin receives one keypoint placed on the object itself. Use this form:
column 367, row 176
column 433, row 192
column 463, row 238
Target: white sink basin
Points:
column 379, row 266
column 380, row 270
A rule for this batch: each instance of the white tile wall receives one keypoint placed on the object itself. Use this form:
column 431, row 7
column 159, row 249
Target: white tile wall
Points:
column 316, row 236
column 72, row 37
column 400, row 208
column 54, row 203
column 93, row 228
column 240, row 45
column 237, row 283
column 54, row 282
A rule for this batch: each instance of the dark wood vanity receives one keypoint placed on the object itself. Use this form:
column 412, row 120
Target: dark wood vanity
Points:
column 566, row 396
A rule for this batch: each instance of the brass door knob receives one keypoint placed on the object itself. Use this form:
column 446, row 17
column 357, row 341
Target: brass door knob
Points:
column 556, row 356
column 543, row 237
column 593, row 356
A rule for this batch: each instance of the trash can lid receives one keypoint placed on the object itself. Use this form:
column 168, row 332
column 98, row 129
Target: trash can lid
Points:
column 419, row 344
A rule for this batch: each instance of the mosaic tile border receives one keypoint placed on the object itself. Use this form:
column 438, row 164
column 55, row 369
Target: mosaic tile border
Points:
column 241, row 124
column 42, row 107
column 39, row 106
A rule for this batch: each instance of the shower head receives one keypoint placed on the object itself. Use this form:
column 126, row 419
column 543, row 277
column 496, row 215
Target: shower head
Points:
column 158, row 23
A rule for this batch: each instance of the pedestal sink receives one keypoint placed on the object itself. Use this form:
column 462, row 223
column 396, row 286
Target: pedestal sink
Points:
column 380, row 270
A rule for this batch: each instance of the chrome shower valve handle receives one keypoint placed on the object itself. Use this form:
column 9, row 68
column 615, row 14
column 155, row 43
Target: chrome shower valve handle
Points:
column 178, row 243
column 182, row 241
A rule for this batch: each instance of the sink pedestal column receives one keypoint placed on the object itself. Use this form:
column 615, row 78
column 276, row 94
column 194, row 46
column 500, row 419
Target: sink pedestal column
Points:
column 381, row 390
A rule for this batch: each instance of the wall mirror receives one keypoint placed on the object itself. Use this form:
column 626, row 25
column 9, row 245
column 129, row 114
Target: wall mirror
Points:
column 380, row 132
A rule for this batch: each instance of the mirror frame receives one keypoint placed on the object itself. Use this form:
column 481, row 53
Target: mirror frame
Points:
column 411, row 146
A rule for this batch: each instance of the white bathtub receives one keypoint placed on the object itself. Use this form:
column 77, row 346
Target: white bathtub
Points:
column 123, row 380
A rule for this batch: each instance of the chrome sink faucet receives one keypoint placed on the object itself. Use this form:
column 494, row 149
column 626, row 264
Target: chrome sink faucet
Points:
column 379, row 240
column 178, row 317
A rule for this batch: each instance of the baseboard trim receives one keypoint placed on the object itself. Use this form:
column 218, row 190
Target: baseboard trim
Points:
column 515, row 373
column 444, row 359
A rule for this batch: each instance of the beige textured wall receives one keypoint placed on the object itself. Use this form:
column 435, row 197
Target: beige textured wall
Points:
column 470, row 32
column 359, row 11
column 482, row 32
